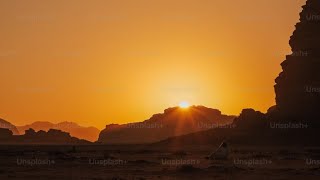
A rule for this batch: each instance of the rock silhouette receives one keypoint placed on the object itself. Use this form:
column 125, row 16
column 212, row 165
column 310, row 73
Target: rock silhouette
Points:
column 251, row 128
column 7, row 125
column 250, row 119
column 53, row 136
column 5, row 133
column 173, row 122
column 87, row 133
column 298, row 85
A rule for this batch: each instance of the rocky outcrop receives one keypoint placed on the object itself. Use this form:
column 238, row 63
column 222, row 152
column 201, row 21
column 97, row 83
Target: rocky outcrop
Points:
column 87, row 133
column 5, row 133
column 53, row 136
column 298, row 85
column 7, row 125
column 251, row 119
column 249, row 127
column 173, row 122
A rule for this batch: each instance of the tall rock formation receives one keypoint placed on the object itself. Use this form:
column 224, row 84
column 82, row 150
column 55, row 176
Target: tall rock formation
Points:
column 298, row 85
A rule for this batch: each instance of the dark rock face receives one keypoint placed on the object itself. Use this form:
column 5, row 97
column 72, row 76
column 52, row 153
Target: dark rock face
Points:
column 53, row 136
column 298, row 86
column 5, row 133
column 250, row 119
column 7, row 125
column 173, row 122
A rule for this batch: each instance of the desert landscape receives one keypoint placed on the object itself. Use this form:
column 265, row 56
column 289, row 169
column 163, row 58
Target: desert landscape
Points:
column 153, row 162
column 183, row 141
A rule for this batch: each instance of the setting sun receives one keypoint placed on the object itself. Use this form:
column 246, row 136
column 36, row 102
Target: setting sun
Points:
column 184, row 104
column 186, row 88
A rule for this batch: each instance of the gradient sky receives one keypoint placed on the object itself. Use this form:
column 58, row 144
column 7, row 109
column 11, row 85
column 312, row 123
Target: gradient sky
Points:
column 114, row 61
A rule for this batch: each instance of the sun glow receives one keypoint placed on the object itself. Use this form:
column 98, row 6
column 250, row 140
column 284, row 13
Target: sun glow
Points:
column 184, row 104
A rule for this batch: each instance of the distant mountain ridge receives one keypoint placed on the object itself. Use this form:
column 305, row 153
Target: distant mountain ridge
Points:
column 87, row 133
column 7, row 125
column 172, row 122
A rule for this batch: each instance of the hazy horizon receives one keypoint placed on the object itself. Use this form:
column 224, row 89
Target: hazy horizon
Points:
column 106, row 62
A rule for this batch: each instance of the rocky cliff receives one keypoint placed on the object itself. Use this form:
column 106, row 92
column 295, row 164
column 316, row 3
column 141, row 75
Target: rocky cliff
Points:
column 298, row 85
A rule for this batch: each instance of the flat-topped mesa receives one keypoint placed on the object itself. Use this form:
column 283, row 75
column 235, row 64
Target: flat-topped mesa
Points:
column 298, row 86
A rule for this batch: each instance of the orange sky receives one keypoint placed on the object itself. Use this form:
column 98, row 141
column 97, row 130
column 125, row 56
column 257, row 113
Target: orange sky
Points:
column 116, row 61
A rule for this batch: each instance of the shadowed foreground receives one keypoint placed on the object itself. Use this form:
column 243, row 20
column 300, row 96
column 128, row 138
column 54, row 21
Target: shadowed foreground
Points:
column 148, row 162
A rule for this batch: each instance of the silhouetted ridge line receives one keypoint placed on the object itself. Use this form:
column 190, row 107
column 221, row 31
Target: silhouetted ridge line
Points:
column 87, row 133
column 53, row 136
column 173, row 122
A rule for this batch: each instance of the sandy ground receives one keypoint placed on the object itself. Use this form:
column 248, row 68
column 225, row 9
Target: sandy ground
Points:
column 143, row 162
